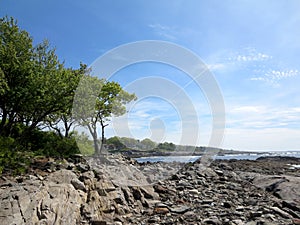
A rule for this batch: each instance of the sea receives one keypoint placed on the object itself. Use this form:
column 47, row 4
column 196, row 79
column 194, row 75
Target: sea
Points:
column 249, row 156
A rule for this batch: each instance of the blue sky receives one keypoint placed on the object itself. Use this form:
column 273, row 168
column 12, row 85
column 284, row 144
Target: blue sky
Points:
column 251, row 47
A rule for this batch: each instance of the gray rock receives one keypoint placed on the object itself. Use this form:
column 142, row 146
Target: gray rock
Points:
column 281, row 212
column 212, row 221
column 179, row 209
column 78, row 184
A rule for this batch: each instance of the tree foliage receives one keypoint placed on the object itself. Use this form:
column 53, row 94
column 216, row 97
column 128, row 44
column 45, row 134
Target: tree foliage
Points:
column 37, row 91
column 169, row 146
column 96, row 102
column 34, row 85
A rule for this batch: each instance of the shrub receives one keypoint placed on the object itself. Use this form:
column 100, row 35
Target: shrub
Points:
column 13, row 160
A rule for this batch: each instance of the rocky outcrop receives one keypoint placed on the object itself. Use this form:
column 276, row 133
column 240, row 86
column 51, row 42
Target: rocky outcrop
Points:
column 69, row 193
column 117, row 190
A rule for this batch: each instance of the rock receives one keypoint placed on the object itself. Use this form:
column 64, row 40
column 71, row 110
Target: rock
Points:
column 98, row 222
column 61, row 177
column 296, row 221
column 89, row 175
column 148, row 192
column 194, row 191
column 212, row 221
column 78, row 185
column 291, row 205
column 136, row 193
column 227, row 205
column 238, row 222
column 161, row 210
column 280, row 212
column 180, row 209
column 286, row 188
column 104, row 186
column 251, row 223
column 82, row 167
column 207, row 201
column 211, row 194
column 154, row 219
column 219, row 172
column 160, row 189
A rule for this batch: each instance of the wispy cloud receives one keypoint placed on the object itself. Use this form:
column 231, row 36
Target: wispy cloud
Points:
column 249, row 55
column 217, row 66
column 229, row 60
column 263, row 117
column 256, row 65
column 273, row 77
column 164, row 31
column 253, row 57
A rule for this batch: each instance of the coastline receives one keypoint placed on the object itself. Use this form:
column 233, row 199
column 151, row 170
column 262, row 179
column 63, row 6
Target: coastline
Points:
column 83, row 191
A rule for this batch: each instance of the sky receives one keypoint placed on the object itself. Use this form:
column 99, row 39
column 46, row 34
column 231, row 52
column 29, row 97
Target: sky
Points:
column 250, row 48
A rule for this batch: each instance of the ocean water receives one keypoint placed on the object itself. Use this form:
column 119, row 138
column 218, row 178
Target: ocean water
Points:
column 186, row 159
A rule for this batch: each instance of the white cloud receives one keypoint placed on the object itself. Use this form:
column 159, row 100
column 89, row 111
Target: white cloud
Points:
column 258, row 66
column 249, row 55
column 255, row 117
column 242, row 59
column 247, row 109
column 262, row 127
column 273, row 77
column 164, row 31
column 217, row 66
column 253, row 57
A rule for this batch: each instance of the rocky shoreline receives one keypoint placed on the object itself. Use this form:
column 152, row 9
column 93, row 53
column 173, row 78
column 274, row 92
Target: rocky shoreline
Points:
column 118, row 190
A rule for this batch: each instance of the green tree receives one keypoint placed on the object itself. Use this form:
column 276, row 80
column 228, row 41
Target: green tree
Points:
column 16, row 67
column 116, row 142
column 63, row 121
column 33, row 83
column 169, row 146
column 96, row 101
column 148, row 144
column 111, row 101
column 130, row 142
column 84, row 109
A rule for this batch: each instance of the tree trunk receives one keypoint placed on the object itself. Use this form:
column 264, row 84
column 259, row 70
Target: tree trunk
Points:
column 102, row 134
column 96, row 146
column 93, row 132
column 102, row 137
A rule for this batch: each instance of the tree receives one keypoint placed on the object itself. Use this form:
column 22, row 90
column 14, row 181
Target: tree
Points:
column 148, row 144
column 63, row 121
column 96, row 101
column 34, row 85
column 169, row 146
column 130, row 142
column 84, row 108
column 116, row 142
column 111, row 101
column 16, row 67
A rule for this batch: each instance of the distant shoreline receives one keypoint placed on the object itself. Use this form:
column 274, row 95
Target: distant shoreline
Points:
column 193, row 158
column 139, row 153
